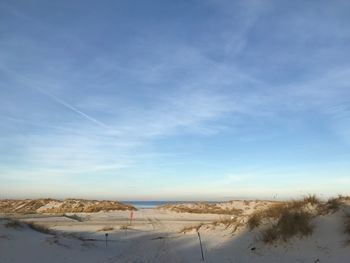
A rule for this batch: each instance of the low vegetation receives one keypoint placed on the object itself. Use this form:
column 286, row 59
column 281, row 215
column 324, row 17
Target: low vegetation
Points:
column 289, row 224
column 201, row 208
column 254, row 220
column 311, row 199
column 333, row 204
column 288, row 219
column 274, row 212
column 277, row 221
column 124, row 227
column 191, row 228
column 311, row 204
column 107, row 228
column 86, row 206
column 227, row 223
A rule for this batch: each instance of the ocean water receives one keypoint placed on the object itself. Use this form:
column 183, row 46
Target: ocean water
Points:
column 153, row 204
column 148, row 204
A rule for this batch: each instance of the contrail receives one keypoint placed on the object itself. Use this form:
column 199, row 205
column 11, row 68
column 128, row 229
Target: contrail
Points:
column 18, row 120
column 67, row 105
column 26, row 79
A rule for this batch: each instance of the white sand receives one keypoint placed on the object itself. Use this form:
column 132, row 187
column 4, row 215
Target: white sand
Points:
column 154, row 237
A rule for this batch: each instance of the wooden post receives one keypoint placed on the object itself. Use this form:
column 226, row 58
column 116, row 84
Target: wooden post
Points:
column 106, row 235
column 200, row 243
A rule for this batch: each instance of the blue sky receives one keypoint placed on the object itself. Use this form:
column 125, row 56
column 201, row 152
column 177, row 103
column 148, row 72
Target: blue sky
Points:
column 145, row 100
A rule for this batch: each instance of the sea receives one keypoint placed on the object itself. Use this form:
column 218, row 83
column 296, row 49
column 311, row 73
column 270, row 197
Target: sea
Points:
column 153, row 204
column 148, row 204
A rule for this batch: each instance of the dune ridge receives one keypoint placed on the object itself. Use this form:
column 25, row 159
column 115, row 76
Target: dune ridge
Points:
column 48, row 205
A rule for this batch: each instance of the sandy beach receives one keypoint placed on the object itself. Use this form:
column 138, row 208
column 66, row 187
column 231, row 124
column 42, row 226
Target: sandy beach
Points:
column 163, row 235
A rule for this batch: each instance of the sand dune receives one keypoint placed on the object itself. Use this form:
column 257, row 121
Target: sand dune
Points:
column 59, row 206
column 156, row 235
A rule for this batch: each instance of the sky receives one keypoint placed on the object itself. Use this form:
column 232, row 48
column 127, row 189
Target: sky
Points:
column 174, row 100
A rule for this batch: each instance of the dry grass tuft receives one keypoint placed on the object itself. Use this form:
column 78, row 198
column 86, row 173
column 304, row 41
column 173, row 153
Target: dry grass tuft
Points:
column 312, row 199
column 232, row 223
column 225, row 221
column 254, row 220
column 344, row 198
column 290, row 224
column 333, row 204
column 191, row 228
column 246, row 202
column 275, row 211
column 286, row 219
column 310, row 204
column 124, row 227
column 270, row 234
column 107, row 228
